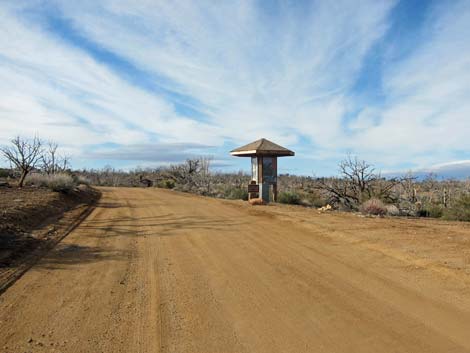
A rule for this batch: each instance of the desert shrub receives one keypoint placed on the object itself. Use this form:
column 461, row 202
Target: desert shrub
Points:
column 169, row 184
column 236, row 194
column 460, row 210
column 374, row 207
column 319, row 202
column 166, row 184
column 407, row 208
column 56, row 182
column 36, row 179
column 81, row 180
column 422, row 213
column 392, row 210
column 289, row 197
column 5, row 173
column 60, row 182
column 304, row 201
column 311, row 199
column 433, row 211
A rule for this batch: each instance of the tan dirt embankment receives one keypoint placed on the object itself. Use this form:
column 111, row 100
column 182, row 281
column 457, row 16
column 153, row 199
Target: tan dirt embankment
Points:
column 33, row 220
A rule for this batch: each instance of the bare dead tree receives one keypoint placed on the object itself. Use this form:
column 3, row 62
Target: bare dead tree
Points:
column 184, row 173
column 52, row 162
column 354, row 185
column 49, row 158
column 359, row 176
column 193, row 166
column 63, row 164
column 358, row 182
column 203, row 177
column 409, row 187
column 145, row 181
column 192, row 175
column 24, row 155
column 338, row 192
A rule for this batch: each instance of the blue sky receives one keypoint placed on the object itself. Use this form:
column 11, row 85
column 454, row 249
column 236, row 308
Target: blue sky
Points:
column 146, row 83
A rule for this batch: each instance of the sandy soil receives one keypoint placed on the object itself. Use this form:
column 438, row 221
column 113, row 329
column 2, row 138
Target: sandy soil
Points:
column 157, row 271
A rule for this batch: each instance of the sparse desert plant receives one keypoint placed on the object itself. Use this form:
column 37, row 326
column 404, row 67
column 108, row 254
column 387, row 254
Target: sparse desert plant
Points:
column 36, row 179
column 5, row 173
column 432, row 210
column 81, row 180
column 236, row 193
column 460, row 210
column 166, row 184
column 289, row 197
column 311, row 199
column 374, row 207
column 56, row 182
column 61, row 182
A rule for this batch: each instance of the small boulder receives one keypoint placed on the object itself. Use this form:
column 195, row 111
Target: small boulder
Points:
column 257, row 202
column 325, row 208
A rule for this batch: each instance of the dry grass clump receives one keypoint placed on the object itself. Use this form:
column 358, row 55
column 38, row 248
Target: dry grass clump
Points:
column 57, row 182
column 36, row 179
column 81, row 180
column 374, row 207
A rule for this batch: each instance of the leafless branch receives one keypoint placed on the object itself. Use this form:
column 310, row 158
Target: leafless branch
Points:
column 24, row 155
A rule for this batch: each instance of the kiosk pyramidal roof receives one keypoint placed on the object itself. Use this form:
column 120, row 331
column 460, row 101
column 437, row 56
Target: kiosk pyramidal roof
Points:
column 261, row 147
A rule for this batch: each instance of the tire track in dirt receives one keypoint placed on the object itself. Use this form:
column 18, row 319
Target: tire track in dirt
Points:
column 157, row 271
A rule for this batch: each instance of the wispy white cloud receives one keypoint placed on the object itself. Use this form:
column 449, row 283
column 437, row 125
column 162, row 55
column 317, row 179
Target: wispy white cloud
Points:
column 248, row 69
column 426, row 116
column 51, row 88
column 251, row 72
column 154, row 152
column 450, row 170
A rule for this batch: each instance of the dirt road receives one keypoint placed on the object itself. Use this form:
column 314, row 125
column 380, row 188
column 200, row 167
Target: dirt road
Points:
column 156, row 271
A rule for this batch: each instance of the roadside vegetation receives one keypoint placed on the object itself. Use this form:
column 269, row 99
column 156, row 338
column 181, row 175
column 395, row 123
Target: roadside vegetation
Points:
column 357, row 188
column 40, row 199
column 37, row 164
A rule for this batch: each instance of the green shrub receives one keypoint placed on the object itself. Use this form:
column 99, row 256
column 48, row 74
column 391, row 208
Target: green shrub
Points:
column 312, row 200
column 460, row 210
column 432, row 211
column 319, row 202
column 236, row 194
column 5, row 173
column 374, row 207
column 166, row 184
column 289, row 197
